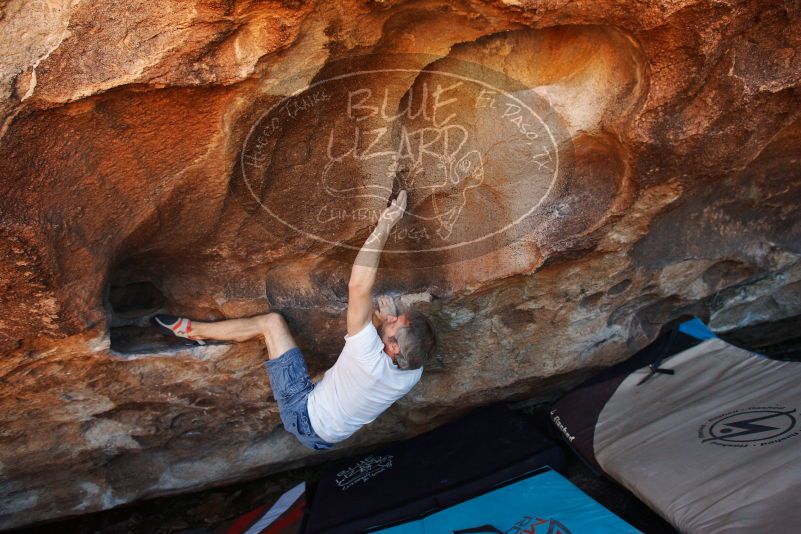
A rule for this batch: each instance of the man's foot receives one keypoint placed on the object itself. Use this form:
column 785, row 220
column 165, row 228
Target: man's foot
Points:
column 175, row 326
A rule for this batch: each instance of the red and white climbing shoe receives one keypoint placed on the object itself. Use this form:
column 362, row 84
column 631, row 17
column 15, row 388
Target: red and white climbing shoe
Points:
column 175, row 326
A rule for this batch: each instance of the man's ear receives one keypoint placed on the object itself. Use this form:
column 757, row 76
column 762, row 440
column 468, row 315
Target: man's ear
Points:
column 393, row 346
column 391, row 318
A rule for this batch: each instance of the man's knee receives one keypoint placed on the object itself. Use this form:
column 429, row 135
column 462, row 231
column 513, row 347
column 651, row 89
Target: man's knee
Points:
column 271, row 322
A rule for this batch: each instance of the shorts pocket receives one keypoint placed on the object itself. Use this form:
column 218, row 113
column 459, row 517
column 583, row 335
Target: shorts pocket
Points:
column 288, row 386
column 294, row 378
column 303, row 423
column 292, row 383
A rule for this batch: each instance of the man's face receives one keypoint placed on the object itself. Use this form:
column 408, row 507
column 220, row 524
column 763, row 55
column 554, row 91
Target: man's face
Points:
column 388, row 330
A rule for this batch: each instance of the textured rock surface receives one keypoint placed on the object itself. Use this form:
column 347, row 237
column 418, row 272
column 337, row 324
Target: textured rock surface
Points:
column 122, row 129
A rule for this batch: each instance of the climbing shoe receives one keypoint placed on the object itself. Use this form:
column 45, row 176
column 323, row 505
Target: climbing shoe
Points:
column 175, row 326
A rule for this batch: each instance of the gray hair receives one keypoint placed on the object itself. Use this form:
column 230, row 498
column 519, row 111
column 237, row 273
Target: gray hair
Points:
column 416, row 341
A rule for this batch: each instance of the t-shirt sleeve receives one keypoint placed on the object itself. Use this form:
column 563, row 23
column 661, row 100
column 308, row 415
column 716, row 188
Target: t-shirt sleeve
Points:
column 365, row 345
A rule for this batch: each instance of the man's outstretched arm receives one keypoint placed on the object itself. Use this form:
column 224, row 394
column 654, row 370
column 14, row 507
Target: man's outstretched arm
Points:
column 365, row 268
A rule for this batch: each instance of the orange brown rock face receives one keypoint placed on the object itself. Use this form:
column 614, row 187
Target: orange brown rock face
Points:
column 141, row 170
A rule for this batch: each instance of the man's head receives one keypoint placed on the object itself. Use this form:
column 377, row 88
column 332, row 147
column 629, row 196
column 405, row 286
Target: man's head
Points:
column 408, row 338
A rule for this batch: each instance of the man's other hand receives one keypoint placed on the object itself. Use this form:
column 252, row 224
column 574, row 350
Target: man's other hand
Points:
column 386, row 306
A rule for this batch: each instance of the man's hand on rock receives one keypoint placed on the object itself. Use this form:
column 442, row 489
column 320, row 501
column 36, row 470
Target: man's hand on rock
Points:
column 395, row 211
column 365, row 268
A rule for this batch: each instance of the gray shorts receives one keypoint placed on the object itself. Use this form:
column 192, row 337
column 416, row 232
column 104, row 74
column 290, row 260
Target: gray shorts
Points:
column 291, row 385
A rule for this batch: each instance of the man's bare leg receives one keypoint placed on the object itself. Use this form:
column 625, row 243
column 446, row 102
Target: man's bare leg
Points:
column 228, row 330
column 271, row 325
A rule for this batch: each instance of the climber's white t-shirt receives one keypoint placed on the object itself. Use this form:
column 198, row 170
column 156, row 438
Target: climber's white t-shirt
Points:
column 358, row 388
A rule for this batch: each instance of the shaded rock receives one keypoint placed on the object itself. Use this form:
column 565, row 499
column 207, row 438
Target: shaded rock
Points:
column 138, row 155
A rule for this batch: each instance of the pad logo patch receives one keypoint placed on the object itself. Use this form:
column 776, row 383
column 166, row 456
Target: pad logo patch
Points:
column 363, row 471
column 557, row 421
column 751, row 427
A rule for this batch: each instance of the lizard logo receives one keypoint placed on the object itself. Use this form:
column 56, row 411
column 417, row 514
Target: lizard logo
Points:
column 752, row 426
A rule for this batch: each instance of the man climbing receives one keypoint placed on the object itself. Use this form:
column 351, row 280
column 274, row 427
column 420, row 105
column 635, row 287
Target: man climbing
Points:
column 375, row 368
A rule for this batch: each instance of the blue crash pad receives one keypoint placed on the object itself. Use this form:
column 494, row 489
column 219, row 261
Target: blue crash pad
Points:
column 545, row 503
